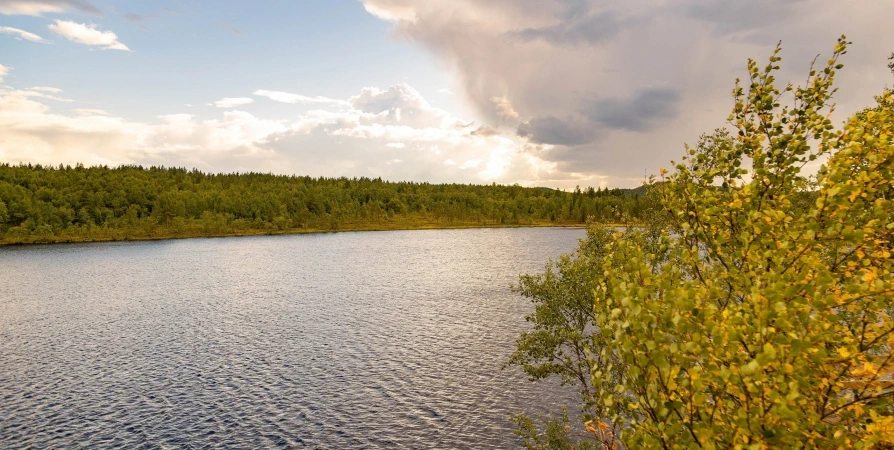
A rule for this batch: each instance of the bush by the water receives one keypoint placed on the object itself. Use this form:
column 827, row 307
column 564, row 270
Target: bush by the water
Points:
column 755, row 311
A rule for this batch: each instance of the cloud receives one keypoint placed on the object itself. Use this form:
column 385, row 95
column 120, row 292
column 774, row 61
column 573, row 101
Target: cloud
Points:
column 87, row 35
column 576, row 30
column 45, row 89
column 142, row 20
column 3, row 71
column 602, row 89
column 230, row 102
column 235, row 131
column 34, row 92
column 553, row 130
column 91, row 112
column 285, row 97
column 31, row 132
column 38, row 7
column 403, row 106
column 41, row 92
column 22, row 34
column 741, row 19
column 503, row 107
column 485, row 130
column 392, row 11
column 645, row 109
column 134, row 17
column 391, row 133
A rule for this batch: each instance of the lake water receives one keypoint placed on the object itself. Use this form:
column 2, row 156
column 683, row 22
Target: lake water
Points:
column 345, row 340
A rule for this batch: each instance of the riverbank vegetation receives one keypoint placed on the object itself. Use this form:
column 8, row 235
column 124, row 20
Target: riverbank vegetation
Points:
column 753, row 309
column 77, row 204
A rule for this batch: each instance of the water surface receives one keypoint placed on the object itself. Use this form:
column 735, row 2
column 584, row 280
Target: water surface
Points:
column 346, row 340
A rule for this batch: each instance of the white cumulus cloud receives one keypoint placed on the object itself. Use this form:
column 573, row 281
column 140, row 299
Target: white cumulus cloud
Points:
column 22, row 34
column 45, row 89
column 91, row 112
column 231, row 102
column 39, row 94
column 87, row 35
column 286, row 97
column 3, row 71
column 34, row 93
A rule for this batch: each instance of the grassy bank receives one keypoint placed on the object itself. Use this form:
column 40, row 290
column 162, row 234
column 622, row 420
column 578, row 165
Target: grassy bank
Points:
column 165, row 233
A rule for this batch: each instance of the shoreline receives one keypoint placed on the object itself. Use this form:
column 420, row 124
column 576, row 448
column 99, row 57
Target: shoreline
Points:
column 295, row 231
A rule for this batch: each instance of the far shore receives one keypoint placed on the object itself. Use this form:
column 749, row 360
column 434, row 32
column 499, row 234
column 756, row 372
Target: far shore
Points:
column 191, row 234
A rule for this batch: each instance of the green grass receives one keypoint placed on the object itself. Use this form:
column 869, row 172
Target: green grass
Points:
column 195, row 230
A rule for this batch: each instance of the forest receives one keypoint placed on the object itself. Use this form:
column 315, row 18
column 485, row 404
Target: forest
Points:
column 44, row 204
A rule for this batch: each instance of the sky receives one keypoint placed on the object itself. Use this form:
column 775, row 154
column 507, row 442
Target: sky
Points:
column 556, row 93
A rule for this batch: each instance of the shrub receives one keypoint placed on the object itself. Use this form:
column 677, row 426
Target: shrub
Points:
column 760, row 315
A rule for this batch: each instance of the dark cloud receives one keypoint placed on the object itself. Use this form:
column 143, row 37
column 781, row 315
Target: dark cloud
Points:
column 575, row 8
column 643, row 111
column 743, row 19
column 585, row 30
column 553, row 130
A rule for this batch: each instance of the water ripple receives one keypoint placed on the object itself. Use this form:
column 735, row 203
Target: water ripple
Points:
column 349, row 340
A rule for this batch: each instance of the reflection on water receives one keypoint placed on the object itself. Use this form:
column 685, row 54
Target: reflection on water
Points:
column 348, row 340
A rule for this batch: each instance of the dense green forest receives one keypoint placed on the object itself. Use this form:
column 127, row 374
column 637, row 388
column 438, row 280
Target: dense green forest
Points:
column 75, row 204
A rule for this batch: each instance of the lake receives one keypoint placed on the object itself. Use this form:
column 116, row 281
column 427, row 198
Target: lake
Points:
column 340, row 340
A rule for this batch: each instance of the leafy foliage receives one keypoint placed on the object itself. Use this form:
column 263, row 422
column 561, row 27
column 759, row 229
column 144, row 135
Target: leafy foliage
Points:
column 760, row 317
column 557, row 433
column 565, row 330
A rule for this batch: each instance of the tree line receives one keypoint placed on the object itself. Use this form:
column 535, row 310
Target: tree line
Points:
column 65, row 203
